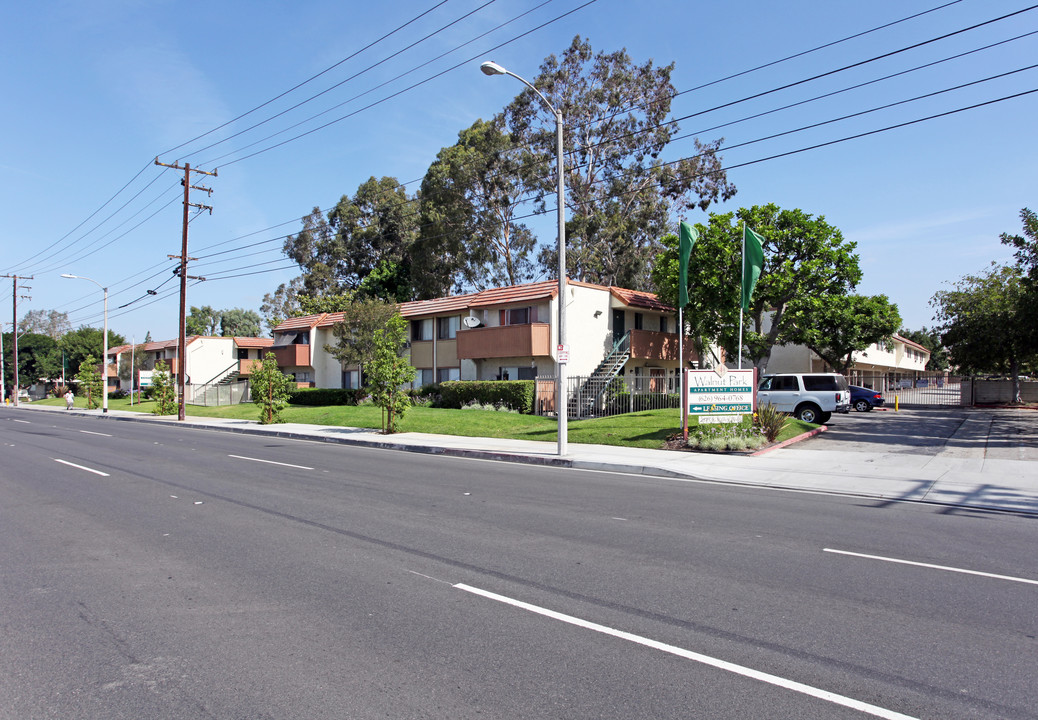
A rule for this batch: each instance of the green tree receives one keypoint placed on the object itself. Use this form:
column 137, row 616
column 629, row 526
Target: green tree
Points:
column 269, row 387
column 163, row 390
column 1026, row 245
column 619, row 192
column 85, row 342
column 806, row 260
column 51, row 323
column 281, row 304
column 89, row 380
column 984, row 323
column 356, row 333
column 238, row 322
column 130, row 363
column 369, row 234
column 835, row 327
column 388, row 371
column 329, row 303
column 203, row 321
column 39, row 358
column 470, row 195
column 931, row 340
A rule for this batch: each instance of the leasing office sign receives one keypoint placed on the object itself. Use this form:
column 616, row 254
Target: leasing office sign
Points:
column 719, row 396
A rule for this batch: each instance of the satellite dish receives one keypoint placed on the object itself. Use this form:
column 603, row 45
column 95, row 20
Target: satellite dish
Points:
column 471, row 322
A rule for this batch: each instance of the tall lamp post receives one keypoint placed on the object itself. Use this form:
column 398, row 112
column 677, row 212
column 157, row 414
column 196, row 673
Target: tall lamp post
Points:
column 562, row 352
column 104, row 358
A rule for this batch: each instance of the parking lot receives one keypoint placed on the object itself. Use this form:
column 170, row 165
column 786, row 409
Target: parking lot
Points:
column 1010, row 434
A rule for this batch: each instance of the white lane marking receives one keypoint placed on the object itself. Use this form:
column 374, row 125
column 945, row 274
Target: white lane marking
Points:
column 271, row 462
column 80, row 467
column 90, row 432
column 697, row 657
column 932, row 567
column 25, row 422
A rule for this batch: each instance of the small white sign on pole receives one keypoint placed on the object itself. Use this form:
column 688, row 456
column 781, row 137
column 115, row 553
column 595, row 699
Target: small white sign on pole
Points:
column 145, row 378
column 563, row 353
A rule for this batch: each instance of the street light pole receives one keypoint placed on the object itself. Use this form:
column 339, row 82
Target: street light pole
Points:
column 104, row 351
column 562, row 352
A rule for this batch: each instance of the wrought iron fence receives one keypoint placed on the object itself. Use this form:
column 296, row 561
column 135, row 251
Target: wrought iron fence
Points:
column 592, row 396
column 913, row 388
column 220, row 394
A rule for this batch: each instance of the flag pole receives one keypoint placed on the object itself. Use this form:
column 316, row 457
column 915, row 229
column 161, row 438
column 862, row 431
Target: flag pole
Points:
column 681, row 373
column 741, row 285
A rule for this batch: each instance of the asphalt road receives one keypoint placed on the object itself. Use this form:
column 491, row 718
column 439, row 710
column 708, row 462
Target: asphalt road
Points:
column 196, row 578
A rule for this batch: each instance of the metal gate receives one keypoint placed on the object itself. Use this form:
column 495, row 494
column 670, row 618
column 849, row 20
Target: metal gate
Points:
column 915, row 389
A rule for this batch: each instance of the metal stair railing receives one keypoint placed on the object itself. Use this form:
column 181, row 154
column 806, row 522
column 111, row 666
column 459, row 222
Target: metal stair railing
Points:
column 591, row 390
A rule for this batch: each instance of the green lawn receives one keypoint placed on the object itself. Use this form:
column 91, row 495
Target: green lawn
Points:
column 646, row 429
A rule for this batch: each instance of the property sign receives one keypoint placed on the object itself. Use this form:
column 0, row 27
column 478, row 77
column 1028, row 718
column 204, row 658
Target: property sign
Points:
column 713, row 396
column 144, row 378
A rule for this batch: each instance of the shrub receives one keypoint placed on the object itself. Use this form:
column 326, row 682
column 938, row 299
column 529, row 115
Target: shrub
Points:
column 515, row 394
column 730, row 437
column 769, row 421
column 324, row 396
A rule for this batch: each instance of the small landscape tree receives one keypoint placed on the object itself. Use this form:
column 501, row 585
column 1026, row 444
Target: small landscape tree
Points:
column 269, row 387
column 388, row 372
column 163, row 391
column 89, row 380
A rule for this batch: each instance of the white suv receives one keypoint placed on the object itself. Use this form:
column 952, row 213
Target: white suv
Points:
column 811, row 397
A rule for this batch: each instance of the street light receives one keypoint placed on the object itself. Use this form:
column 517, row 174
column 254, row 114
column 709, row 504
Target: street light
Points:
column 562, row 352
column 104, row 358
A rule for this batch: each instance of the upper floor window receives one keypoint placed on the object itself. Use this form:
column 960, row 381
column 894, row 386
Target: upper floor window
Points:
column 447, row 328
column 421, row 329
column 517, row 316
column 639, row 321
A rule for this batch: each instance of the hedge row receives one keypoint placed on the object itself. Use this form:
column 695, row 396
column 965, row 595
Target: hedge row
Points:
column 324, row 396
column 516, row 394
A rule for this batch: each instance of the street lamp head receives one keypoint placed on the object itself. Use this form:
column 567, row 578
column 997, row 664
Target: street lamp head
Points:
column 67, row 275
column 492, row 68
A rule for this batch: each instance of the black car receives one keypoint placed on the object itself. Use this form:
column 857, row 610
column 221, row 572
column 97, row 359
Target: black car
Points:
column 864, row 399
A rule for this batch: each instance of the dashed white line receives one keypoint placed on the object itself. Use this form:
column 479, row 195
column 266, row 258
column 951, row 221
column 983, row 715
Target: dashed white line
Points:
column 271, row 462
column 932, row 567
column 90, row 432
column 81, row 467
column 697, row 657
column 24, row 422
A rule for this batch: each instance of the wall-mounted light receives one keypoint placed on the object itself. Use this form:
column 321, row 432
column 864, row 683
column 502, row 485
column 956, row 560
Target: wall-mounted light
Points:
column 598, row 313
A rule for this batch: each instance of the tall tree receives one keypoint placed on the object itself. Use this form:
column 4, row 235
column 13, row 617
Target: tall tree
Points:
column 837, row 326
column 281, row 304
column 238, row 322
column 39, row 358
column 84, row 342
column 805, row 259
column 619, row 192
column 363, row 245
column 984, row 323
column 46, row 322
column 90, row 381
column 203, row 321
column 470, row 197
column 269, row 388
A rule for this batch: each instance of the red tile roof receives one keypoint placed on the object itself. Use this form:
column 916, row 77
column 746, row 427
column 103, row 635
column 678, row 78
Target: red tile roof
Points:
column 640, row 299
column 253, row 342
column 911, row 343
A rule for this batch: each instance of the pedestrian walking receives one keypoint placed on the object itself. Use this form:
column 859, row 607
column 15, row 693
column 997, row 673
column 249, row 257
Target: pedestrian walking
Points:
column 69, row 399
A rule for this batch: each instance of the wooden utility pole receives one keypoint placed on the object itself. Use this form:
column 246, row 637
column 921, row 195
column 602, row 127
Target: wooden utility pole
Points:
column 184, row 277
column 14, row 333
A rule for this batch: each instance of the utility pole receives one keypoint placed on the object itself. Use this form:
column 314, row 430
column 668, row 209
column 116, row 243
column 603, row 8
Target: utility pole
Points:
column 184, row 277
column 14, row 331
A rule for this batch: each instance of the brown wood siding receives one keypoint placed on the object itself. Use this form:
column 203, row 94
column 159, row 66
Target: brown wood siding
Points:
column 654, row 345
column 293, row 356
column 532, row 340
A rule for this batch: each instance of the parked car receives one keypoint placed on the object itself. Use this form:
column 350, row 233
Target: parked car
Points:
column 864, row 399
column 811, row 397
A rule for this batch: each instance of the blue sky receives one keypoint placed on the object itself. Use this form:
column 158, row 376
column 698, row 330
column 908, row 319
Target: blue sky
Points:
column 93, row 92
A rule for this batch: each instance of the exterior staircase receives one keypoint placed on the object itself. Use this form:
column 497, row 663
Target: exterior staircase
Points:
column 588, row 395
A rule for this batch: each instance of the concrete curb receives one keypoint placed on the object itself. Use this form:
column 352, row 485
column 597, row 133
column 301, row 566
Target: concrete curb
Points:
column 798, row 438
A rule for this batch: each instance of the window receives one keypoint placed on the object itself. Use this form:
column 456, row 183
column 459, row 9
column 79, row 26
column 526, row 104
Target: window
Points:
column 448, row 374
column 421, row 329
column 638, row 321
column 243, row 353
column 663, row 323
column 518, row 316
column 780, row 382
column 526, row 373
column 423, row 377
column 824, row 382
column 350, row 379
column 447, row 328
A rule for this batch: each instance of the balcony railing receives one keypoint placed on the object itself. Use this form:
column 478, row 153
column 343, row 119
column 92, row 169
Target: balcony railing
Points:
column 247, row 367
column 532, row 340
column 651, row 345
column 292, row 355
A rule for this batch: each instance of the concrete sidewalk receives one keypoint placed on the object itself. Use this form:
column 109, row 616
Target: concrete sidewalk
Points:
column 983, row 465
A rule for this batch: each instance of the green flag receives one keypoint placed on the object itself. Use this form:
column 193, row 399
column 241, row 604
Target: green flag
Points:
column 752, row 263
column 688, row 239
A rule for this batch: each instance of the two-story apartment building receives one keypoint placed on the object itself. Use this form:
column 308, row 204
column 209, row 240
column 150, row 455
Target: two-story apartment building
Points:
column 210, row 360
column 508, row 333
column 880, row 365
